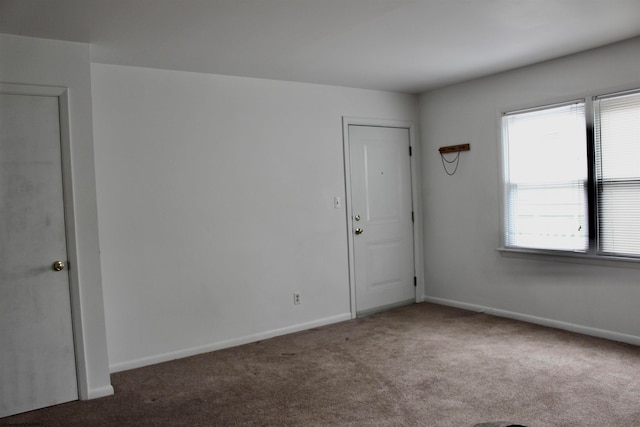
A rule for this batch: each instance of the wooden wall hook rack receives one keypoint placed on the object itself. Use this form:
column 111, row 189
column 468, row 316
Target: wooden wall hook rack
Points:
column 454, row 148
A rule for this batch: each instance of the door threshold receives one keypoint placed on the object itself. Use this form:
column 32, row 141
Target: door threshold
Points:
column 375, row 310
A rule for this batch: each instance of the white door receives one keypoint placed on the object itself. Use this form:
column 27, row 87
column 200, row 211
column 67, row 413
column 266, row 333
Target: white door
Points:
column 37, row 358
column 382, row 218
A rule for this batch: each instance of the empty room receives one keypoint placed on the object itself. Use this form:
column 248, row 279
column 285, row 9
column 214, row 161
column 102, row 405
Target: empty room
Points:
column 320, row 212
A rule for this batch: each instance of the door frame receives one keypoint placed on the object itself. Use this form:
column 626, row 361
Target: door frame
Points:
column 62, row 94
column 418, row 259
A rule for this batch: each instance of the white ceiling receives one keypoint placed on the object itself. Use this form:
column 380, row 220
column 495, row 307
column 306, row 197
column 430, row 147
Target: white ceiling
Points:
column 397, row 45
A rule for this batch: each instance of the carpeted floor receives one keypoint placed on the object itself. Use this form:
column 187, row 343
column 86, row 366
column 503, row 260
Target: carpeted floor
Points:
column 422, row 365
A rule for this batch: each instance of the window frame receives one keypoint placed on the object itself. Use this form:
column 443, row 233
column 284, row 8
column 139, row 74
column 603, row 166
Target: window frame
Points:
column 592, row 254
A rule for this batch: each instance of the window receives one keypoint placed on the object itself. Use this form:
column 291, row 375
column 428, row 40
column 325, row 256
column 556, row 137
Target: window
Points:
column 556, row 181
column 546, row 178
column 617, row 154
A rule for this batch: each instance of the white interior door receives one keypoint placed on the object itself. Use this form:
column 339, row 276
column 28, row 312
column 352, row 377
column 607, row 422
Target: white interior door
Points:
column 382, row 219
column 37, row 358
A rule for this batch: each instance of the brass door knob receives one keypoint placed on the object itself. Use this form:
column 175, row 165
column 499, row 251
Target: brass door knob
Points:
column 359, row 230
column 58, row 266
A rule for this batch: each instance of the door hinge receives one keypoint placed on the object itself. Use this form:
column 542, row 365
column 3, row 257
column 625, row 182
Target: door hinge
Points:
column 410, row 152
column 415, row 281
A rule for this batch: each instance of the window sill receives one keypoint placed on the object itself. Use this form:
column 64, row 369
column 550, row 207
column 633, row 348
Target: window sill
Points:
column 572, row 257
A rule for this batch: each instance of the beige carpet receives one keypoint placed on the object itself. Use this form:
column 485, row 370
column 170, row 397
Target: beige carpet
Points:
column 422, row 365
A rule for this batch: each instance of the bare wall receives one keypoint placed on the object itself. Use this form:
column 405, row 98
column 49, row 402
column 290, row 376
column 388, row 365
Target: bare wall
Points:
column 215, row 204
column 462, row 212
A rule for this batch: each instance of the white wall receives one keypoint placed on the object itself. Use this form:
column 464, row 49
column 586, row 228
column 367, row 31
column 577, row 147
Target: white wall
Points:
column 215, row 203
column 462, row 212
column 30, row 61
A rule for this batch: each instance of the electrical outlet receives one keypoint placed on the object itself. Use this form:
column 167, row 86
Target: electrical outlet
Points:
column 296, row 298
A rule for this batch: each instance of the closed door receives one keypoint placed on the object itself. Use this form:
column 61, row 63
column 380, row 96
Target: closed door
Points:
column 382, row 218
column 37, row 358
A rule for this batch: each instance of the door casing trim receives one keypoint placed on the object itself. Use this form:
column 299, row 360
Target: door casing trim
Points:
column 418, row 259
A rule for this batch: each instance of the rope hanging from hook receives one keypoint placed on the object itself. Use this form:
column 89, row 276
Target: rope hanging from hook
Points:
column 455, row 160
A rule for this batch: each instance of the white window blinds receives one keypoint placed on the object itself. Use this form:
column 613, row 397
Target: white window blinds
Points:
column 617, row 156
column 546, row 178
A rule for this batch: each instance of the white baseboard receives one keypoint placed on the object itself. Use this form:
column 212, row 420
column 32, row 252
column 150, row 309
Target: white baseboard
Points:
column 585, row 330
column 95, row 393
column 165, row 357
